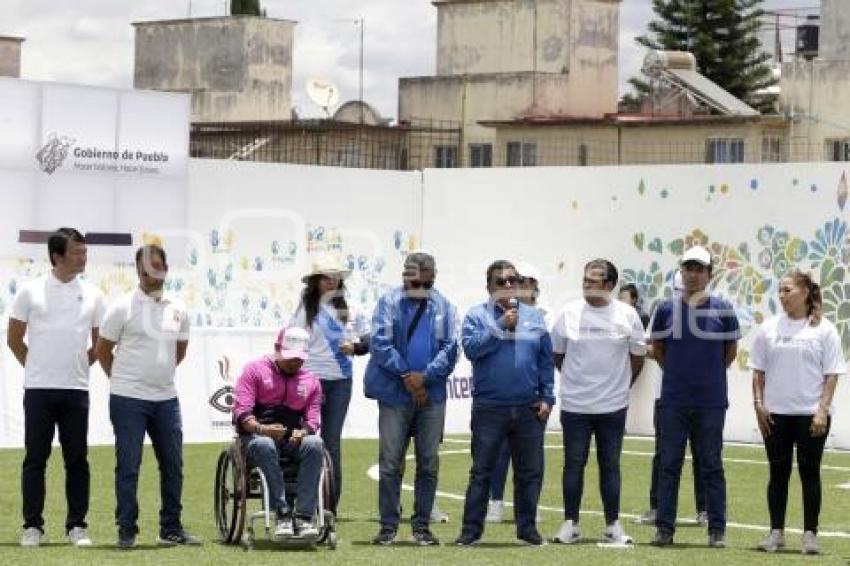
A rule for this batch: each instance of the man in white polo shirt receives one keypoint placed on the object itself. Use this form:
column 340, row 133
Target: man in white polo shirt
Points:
column 599, row 347
column 58, row 314
column 149, row 334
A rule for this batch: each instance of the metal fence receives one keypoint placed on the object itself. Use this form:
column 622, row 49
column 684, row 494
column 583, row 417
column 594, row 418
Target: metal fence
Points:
column 434, row 144
column 325, row 142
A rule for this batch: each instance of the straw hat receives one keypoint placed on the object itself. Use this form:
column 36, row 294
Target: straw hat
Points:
column 327, row 264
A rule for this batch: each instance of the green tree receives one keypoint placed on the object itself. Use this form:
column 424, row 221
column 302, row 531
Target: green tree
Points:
column 246, row 8
column 723, row 36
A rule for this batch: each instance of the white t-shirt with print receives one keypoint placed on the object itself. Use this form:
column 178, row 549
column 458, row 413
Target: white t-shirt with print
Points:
column 322, row 362
column 795, row 356
column 596, row 342
column 59, row 317
column 146, row 332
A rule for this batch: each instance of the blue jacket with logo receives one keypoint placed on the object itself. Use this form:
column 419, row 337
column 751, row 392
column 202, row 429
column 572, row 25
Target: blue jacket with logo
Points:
column 508, row 368
column 388, row 349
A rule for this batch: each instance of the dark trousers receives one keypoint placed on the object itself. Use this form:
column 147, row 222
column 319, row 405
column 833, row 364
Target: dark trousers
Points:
column 45, row 410
column 500, row 472
column 704, row 426
column 609, row 429
column 699, row 492
column 131, row 419
column 524, row 431
column 788, row 431
column 336, row 398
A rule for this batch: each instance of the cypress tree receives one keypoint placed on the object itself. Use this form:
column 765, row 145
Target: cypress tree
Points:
column 245, row 8
column 723, row 36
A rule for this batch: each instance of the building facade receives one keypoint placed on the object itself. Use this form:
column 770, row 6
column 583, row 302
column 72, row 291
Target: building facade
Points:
column 237, row 68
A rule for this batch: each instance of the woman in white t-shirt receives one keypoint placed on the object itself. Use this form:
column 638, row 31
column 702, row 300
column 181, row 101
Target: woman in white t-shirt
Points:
column 796, row 358
column 337, row 333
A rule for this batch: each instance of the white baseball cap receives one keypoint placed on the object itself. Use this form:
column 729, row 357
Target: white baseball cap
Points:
column 698, row 254
column 292, row 343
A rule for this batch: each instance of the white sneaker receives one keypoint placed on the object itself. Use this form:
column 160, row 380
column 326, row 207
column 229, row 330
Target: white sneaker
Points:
column 437, row 515
column 306, row 528
column 494, row 511
column 810, row 543
column 79, row 536
column 31, row 537
column 283, row 529
column 614, row 534
column 773, row 541
column 568, row 533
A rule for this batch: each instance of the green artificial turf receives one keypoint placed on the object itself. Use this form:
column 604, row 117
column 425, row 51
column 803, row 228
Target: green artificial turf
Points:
column 746, row 481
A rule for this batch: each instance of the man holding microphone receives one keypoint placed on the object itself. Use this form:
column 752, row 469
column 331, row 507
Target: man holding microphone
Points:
column 513, row 377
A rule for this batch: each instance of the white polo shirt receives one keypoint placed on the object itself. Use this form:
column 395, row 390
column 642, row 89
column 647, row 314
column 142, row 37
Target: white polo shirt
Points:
column 59, row 317
column 146, row 332
column 596, row 342
column 795, row 356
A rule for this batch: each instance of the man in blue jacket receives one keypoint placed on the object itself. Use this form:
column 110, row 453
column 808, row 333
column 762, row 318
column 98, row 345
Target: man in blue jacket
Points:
column 512, row 396
column 414, row 350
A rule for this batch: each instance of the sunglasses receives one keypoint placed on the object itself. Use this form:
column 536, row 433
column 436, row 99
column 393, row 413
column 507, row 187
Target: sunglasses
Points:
column 421, row 284
column 505, row 281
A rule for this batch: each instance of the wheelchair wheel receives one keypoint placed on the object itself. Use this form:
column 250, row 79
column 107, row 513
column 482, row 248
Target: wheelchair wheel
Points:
column 230, row 495
column 327, row 531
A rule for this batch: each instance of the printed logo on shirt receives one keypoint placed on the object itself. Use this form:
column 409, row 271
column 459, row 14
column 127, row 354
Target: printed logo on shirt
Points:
column 301, row 391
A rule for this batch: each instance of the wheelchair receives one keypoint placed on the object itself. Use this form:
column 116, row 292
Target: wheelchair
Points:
column 237, row 482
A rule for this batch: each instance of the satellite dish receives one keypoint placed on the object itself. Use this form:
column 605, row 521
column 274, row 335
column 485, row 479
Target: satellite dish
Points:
column 323, row 92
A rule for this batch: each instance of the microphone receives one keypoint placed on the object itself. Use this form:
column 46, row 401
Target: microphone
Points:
column 513, row 303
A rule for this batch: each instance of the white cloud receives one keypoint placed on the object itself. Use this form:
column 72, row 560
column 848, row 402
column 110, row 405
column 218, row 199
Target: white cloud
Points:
column 91, row 41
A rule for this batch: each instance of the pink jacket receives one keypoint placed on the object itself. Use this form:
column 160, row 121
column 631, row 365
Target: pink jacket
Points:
column 262, row 383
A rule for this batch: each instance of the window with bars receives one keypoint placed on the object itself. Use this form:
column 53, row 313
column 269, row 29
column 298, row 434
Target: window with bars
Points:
column 838, row 149
column 521, row 154
column 725, row 150
column 445, row 156
column 480, row 155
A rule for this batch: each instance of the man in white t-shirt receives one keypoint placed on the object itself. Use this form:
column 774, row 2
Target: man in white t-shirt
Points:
column 599, row 347
column 149, row 334
column 58, row 314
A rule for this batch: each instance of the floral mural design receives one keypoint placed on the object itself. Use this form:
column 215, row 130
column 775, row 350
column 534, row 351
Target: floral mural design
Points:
column 750, row 279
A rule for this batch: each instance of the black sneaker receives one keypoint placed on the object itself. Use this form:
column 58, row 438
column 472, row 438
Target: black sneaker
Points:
column 717, row 539
column 466, row 539
column 178, row 538
column 662, row 538
column 385, row 536
column 532, row 538
column 126, row 540
column 424, row 537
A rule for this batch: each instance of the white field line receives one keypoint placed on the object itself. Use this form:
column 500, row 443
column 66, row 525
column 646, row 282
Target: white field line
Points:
column 687, row 456
column 372, row 473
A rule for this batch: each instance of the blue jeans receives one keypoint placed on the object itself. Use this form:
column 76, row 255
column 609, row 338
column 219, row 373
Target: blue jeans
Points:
column 699, row 493
column 131, row 419
column 609, row 429
column 491, row 425
column 336, row 397
column 265, row 453
column 394, row 425
column 705, row 428
column 500, row 472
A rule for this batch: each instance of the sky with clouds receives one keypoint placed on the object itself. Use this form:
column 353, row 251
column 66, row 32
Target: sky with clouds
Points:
column 91, row 41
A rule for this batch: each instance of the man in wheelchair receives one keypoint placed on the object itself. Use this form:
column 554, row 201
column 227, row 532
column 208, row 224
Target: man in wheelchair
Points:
column 277, row 412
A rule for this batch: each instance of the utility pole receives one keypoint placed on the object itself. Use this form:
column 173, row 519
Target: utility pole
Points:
column 362, row 23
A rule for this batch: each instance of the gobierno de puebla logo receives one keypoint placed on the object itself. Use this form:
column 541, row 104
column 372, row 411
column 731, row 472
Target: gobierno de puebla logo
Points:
column 55, row 152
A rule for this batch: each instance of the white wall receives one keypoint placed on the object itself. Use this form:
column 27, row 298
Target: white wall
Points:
column 755, row 219
column 639, row 217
